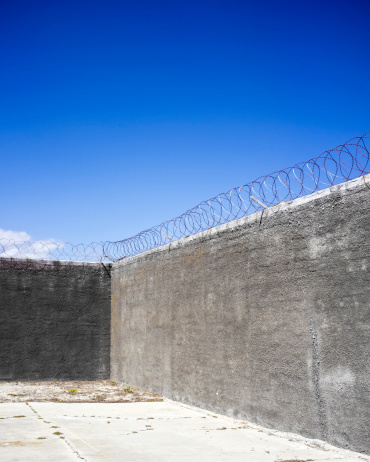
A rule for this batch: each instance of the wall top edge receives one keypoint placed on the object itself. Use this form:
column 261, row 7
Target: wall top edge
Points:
column 342, row 188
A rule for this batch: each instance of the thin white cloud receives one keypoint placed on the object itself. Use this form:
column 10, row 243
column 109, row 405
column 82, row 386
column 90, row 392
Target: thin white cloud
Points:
column 16, row 236
column 18, row 244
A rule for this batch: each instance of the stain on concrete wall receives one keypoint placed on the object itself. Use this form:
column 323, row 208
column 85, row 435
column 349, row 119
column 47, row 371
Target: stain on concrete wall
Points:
column 266, row 318
column 55, row 322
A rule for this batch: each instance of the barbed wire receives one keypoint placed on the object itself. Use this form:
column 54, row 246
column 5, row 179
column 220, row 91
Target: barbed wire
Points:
column 343, row 163
column 40, row 254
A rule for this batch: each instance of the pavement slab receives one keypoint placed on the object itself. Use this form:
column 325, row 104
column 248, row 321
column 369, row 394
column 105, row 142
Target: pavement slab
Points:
column 149, row 432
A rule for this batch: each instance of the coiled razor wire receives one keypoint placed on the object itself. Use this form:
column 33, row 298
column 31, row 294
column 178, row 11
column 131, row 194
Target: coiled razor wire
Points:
column 343, row 163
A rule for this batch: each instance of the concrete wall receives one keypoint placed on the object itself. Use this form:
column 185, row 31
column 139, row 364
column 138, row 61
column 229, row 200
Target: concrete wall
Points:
column 55, row 321
column 266, row 318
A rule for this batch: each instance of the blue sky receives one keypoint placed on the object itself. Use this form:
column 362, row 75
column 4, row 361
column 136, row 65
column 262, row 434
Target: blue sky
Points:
column 115, row 115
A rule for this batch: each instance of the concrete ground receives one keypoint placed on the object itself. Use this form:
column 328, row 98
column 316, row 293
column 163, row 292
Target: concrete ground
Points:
column 146, row 431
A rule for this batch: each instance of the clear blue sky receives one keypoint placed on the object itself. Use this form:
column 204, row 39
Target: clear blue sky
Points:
column 117, row 115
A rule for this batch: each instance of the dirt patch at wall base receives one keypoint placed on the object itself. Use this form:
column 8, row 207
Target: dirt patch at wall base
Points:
column 98, row 391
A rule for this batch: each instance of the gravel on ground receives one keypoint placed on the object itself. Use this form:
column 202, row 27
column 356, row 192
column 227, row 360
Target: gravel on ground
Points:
column 98, row 391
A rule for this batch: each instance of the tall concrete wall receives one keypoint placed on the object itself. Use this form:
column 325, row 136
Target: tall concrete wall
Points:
column 266, row 318
column 55, row 321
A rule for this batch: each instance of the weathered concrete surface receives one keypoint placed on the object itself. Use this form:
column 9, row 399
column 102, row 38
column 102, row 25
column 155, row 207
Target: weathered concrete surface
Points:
column 155, row 432
column 55, row 322
column 265, row 319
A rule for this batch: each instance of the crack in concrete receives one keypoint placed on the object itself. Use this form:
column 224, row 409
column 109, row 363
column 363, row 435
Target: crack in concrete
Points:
column 64, row 439
column 73, row 449
column 323, row 421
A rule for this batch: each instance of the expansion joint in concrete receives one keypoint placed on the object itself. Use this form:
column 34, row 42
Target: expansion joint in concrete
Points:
column 64, row 439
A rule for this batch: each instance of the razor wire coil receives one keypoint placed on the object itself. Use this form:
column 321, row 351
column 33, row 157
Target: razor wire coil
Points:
column 343, row 163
